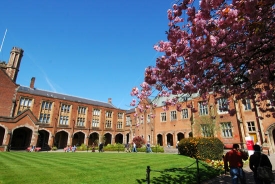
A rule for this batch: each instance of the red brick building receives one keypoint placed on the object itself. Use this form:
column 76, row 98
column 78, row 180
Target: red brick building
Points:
column 29, row 116
column 208, row 119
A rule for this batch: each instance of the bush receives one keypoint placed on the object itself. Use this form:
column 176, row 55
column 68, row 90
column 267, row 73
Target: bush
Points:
column 114, row 147
column 156, row 149
column 83, row 147
column 121, row 147
column 139, row 141
column 201, row 148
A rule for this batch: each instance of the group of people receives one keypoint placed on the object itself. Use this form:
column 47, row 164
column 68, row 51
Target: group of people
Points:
column 128, row 148
column 70, row 148
column 33, row 148
column 233, row 162
column 134, row 149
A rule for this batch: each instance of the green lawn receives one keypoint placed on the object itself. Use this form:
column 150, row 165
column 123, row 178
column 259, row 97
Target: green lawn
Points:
column 98, row 168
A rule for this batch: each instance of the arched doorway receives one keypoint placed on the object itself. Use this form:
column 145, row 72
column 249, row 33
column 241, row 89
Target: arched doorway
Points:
column 127, row 138
column 108, row 138
column 93, row 138
column 169, row 138
column 78, row 139
column 2, row 133
column 148, row 138
column 61, row 139
column 119, row 138
column 180, row 136
column 42, row 140
column 159, row 140
column 21, row 138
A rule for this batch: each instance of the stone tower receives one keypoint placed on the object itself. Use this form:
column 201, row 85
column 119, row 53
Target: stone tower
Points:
column 13, row 65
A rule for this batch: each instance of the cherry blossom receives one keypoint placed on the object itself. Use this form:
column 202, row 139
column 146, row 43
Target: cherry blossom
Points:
column 225, row 47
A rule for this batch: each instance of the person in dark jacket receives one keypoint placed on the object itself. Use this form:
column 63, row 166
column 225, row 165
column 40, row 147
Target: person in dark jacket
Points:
column 100, row 147
column 254, row 163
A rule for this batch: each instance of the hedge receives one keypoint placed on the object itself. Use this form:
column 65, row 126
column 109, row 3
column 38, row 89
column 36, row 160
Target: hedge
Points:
column 202, row 148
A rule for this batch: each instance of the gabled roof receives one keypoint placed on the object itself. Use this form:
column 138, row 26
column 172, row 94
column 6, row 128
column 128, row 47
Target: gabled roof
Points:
column 26, row 113
column 49, row 94
column 2, row 70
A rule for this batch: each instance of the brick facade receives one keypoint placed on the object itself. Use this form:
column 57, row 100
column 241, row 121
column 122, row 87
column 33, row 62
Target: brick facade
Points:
column 29, row 116
column 47, row 119
column 230, row 128
column 7, row 94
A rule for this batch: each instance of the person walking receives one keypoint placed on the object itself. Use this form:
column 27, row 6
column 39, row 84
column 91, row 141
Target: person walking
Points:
column 128, row 148
column 254, row 163
column 100, row 147
column 73, row 148
column 148, row 148
column 134, row 147
column 235, row 159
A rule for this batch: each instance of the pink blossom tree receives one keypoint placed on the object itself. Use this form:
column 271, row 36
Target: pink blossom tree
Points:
column 223, row 47
column 139, row 141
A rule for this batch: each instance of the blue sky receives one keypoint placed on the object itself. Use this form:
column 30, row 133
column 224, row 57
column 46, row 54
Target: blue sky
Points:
column 88, row 48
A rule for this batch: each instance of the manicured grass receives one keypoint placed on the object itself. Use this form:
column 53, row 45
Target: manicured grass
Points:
column 99, row 168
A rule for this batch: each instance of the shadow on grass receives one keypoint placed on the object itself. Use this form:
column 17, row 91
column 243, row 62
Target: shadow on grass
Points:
column 182, row 175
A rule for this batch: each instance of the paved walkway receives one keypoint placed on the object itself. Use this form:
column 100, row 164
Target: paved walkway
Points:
column 226, row 179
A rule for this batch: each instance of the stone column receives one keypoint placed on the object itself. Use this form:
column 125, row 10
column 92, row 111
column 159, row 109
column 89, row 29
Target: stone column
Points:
column 87, row 140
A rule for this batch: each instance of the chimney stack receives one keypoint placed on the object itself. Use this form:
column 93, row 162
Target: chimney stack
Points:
column 110, row 100
column 32, row 83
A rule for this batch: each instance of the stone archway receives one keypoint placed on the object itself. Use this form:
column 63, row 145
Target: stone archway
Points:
column 21, row 138
column 119, row 138
column 127, row 137
column 169, row 138
column 78, row 139
column 108, row 138
column 160, row 140
column 61, row 139
column 180, row 136
column 269, row 139
column 43, row 139
column 2, row 134
column 93, row 138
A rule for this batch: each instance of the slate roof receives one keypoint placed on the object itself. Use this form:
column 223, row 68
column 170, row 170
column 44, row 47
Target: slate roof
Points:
column 130, row 111
column 49, row 94
column 160, row 101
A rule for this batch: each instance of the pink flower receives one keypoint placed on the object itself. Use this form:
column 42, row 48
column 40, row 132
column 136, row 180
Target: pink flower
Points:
column 213, row 40
column 134, row 91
